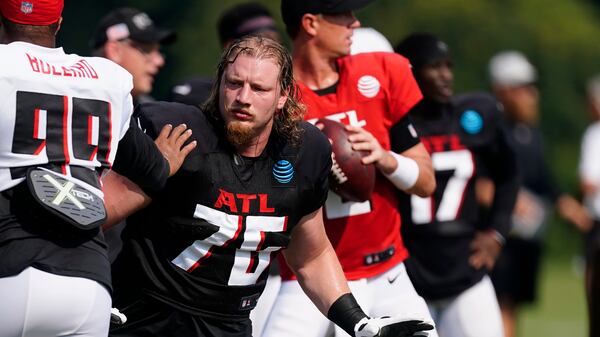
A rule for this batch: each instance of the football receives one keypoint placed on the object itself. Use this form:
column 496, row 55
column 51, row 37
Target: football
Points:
column 349, row 178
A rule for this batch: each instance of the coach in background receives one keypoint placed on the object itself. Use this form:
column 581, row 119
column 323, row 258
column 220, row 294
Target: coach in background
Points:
column 452, row 244
column 130, row 38
column 589, row 176
column 250, row 18
column 515, row 276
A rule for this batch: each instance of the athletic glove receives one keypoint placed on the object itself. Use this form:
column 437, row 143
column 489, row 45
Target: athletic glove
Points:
column 116, row 317
column 347, row 314
column 386, row 326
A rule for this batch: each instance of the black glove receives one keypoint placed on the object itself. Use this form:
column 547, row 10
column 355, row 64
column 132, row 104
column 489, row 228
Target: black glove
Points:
column 386, row 326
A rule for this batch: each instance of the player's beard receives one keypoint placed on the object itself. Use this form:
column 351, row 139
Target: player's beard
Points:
column 239, row 134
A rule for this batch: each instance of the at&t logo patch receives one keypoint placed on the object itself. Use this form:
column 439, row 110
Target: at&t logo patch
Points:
column 471, row 122
column 368, row 86
column 283, row 171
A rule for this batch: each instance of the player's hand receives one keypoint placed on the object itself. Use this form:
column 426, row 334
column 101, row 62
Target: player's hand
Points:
column 171, row 142
column 485, row 249
column 363, row 140
column 575, row 213
column 392, row 327
column 526, row 207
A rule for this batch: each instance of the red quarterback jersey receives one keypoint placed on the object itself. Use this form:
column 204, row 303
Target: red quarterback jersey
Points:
column 374, row 91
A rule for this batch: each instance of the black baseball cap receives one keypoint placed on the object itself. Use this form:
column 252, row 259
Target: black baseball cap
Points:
column 422, row 49
column 130, row 23
column 244, row 19
column 293, row 10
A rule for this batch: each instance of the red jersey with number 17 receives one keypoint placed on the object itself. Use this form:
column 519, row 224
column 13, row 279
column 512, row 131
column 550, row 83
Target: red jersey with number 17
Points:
column 374, row 91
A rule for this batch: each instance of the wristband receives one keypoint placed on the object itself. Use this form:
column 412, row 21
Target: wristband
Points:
column 498, row 237
column 346, row 313
column 406, row 174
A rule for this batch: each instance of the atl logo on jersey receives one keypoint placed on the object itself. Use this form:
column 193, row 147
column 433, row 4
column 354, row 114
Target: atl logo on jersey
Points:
column 231, row 201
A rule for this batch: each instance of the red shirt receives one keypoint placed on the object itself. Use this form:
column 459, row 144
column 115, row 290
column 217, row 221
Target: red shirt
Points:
column 374, row 91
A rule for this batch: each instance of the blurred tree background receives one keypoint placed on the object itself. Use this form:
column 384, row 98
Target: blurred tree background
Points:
column 558, row 36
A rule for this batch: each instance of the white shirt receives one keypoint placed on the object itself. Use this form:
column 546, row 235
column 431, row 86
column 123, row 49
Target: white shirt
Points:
column 589, row 166
column 59, row 108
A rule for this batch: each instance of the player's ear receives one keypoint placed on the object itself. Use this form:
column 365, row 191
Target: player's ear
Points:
column 309, row 23
column 112, row 51
column 58, row 26
column 282, row 100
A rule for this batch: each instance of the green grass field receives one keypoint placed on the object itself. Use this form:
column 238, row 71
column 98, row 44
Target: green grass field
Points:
column 560, row 311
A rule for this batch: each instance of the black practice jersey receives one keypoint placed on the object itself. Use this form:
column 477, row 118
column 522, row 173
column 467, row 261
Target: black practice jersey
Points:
column 205, row 242
column 461, row 136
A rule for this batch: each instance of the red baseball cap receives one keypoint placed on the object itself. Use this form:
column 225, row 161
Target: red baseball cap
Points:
column 32, row 12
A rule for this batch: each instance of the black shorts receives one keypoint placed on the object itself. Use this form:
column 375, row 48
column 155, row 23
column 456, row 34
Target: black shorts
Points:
column 516, row 273
column 148, row 317
column 592, row 241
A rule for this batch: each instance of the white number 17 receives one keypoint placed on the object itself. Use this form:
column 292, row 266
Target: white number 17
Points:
column 461, row 162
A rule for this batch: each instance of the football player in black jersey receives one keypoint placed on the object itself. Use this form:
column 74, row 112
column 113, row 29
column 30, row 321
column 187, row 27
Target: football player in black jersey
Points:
column 65, row 118
column 195, row 261
column 452, row 245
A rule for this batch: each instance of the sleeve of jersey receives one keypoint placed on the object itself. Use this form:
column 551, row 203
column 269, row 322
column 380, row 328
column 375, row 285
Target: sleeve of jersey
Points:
column 403, row 135
column 127, row 107
column 139, row 159
column 547, row 185
column 501, row 164
column 319, row 149
column 404, row 91
column 589, row 163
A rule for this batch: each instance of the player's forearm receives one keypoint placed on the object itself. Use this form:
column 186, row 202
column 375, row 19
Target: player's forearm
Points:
column 121, row 198
column 322, row 279
column 314, row 262
column 425, row 185
column 588, row 187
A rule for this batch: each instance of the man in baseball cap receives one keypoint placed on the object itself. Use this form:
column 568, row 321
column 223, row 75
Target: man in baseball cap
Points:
column 235, row 22
column 513, row 79
column 373, row 91
column 292, row 11
column 245, row 19
column 129, row 37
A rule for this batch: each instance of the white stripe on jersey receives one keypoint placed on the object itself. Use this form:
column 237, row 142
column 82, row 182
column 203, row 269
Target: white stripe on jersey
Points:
column 40, row 124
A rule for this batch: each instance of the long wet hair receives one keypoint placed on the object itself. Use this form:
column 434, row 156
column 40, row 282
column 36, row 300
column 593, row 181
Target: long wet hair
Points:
column 286, row 120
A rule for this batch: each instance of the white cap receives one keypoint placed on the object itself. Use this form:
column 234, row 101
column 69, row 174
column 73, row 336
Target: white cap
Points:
column 511, row 68
column 366, row 40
